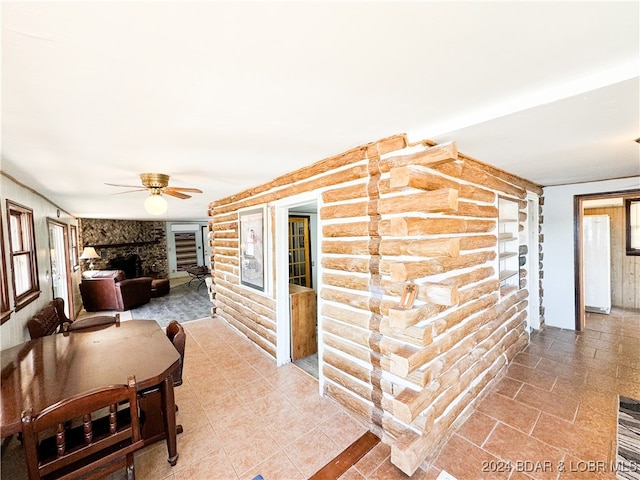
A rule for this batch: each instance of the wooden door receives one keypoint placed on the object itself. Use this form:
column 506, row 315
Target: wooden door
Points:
column 304, row 335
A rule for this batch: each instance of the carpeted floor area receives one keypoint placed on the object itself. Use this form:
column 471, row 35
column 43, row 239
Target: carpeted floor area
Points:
column 183, row 303
column 628, row 461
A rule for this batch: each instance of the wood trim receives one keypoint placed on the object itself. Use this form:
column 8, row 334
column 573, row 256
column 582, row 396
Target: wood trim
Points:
column 629, row 251
column 349, row 457
column 577, row 261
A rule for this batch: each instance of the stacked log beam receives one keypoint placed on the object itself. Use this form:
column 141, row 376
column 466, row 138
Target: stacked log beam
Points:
column 395, row 216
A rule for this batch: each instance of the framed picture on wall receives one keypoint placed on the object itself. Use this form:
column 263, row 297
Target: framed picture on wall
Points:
column 252, row 247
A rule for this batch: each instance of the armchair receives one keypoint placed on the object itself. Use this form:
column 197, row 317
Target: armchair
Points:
column 111, row 290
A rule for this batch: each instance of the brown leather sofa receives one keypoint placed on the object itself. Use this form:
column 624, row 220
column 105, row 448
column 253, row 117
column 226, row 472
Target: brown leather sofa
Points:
column 111, row 290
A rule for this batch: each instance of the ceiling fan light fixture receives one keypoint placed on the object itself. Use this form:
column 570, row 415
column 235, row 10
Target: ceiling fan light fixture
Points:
column 155, row 204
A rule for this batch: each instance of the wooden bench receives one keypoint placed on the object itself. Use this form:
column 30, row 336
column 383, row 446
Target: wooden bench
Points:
column 52, row 319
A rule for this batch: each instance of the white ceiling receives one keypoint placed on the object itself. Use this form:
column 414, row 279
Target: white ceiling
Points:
column 223, row 96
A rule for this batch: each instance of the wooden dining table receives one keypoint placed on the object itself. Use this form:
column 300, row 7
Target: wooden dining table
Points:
column 46, row 370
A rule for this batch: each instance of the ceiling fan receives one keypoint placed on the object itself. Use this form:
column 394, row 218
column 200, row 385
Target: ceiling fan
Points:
column 157, row 184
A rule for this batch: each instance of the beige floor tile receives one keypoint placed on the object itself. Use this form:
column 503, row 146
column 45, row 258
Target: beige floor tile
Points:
column 247, row 448
column 343, row 429
column 477, row 428
column 278, row 466
column 243, row 416
column 463, row 459
column 373, row 459
column 510, row 412
column 523, row 452
column 311, row 452
column 215, row 466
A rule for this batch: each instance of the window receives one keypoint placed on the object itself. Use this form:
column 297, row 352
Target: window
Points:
column 74, row 247
column 632, row 225
column 22, row 250
column 5, row 311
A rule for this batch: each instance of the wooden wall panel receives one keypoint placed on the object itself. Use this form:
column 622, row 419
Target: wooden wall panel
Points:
column 393, row 214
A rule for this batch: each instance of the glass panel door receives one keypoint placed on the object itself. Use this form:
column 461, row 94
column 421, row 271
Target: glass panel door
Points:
column 299, row 252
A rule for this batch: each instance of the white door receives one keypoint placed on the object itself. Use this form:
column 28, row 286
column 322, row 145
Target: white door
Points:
column 597, row 263
column 58, row 248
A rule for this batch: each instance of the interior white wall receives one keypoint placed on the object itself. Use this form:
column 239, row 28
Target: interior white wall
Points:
column 14, row 331
column 558, row 281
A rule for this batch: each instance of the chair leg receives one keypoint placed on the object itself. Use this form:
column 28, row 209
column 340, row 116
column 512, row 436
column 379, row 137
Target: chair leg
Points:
column 130, row 471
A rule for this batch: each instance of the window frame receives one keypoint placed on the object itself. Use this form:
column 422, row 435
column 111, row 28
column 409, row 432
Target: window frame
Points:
column 28, row 238
column 5, row 304
column 627, row 225
column 75, row 255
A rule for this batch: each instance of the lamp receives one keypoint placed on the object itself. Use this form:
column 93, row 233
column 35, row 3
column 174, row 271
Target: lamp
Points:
column 155, row 204
column 89, row 253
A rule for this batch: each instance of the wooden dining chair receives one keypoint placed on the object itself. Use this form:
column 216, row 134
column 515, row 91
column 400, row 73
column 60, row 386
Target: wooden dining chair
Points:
column 175, row 333
column 98, row 446
column 150, row 398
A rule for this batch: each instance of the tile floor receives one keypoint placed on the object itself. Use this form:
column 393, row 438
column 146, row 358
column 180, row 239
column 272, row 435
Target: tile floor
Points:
column 242, row 416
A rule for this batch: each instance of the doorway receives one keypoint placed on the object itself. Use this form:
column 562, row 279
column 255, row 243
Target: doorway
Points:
column 60, row 265
column 297, row 282
column 302, row 296
column 187, row 245
column 609, row 203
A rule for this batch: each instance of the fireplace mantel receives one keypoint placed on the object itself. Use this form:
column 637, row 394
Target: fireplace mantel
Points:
column 126, row 244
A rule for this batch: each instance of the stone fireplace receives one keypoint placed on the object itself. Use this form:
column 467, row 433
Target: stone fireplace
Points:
column 137, row 247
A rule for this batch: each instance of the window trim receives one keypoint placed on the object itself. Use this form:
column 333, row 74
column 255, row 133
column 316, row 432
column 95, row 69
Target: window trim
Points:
column 13, row 210
column 5, row 304
column 627, row 225
column 73, row 235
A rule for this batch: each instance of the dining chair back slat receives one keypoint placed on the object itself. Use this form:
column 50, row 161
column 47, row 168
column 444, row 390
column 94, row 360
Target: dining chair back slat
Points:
column 95, row 447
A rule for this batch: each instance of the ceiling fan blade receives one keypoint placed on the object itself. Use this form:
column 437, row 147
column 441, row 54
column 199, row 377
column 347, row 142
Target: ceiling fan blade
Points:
column 130, row 191
column 119, row 185
column 173, row 193
column 184, row 189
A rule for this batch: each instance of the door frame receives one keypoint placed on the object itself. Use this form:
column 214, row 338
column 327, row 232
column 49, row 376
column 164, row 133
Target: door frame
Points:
column 68, row 304
column 281, row 262
column 578, row 254
column 533, row 260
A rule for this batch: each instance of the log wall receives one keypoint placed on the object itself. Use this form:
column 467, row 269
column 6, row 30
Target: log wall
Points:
column 394, row 215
